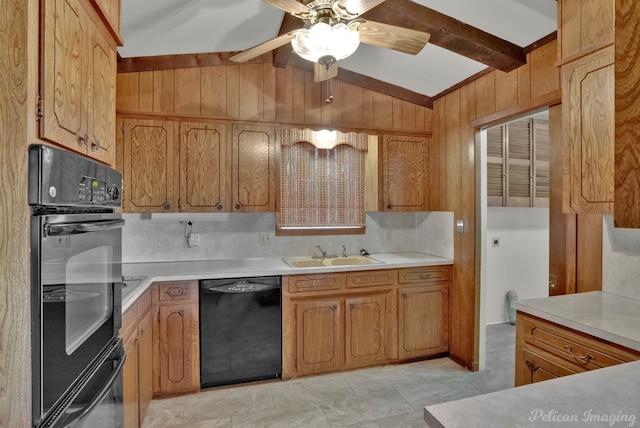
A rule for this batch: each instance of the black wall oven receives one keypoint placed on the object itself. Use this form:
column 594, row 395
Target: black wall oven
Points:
column 76, row 270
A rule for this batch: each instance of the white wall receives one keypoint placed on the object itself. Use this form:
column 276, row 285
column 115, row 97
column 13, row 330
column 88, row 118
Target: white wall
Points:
column 147, row 240
column 520, row 263
column 620, row 260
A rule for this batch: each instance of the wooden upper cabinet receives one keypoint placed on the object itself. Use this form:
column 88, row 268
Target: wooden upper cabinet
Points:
column 78, row 74
column 627, row 103
column 584, row 26
column 405, row 173
column 588, row 133
column 109, row 11
column 150, row 168
column 253, row 168
column 204, row 161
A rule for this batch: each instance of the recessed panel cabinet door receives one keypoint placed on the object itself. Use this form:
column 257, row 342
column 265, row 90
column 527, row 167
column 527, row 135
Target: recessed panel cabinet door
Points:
column 102, row 102
column 177, row 349
column 65, row 77
column 365, row 330
column 319, row 339
column 253, row 171
column 149, row 166
column 588, row 132
column 204, row 160
column 405, row 166
column 423, row 320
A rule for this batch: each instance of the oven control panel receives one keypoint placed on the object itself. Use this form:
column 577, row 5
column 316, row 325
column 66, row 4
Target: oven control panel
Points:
column 58, row 178
column 93, row 190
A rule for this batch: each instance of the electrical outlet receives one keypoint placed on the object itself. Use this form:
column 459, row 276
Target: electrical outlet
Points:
column 264, row 238
column 194, row 241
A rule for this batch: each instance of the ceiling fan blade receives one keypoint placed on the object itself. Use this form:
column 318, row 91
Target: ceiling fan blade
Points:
column 389, row 36
column 291, row 6
column 265, row 47
column 358, row 7
column 321, row 73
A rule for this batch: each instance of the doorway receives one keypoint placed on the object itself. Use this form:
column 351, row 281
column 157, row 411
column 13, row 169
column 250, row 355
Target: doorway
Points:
column 512, row 165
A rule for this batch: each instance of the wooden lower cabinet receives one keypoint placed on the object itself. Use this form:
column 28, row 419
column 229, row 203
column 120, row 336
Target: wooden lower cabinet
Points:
column 176, row 340
column 136, row 373
column 319, row 336
column 545, row 350
column 423, row 320
column 334, row 322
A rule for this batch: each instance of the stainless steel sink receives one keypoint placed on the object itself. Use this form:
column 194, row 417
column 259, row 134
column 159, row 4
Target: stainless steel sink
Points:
column 330, row 261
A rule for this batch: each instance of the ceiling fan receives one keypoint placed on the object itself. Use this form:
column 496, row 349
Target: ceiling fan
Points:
column 332, row 31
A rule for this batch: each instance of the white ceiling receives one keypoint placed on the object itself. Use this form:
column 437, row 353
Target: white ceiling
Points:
column 163, row 27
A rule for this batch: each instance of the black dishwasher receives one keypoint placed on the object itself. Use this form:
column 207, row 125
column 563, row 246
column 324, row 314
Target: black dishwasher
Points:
column 240, row 330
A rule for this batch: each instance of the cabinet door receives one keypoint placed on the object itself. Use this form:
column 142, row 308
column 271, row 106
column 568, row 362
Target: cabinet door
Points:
column 405, row 172
column 130, row 382
column 102, row 101
column 204, row 160
column 65, row 82
column 423, row 320
column 253, row 171
column 365, row 330
column 176, row 345
column 145, row 365
column 150, row 166
column 319, row 338
column 534, row 367
column 588, row 133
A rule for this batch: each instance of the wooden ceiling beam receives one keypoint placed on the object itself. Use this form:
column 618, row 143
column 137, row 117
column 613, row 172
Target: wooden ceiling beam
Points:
column 283, row 53
column 451, row 34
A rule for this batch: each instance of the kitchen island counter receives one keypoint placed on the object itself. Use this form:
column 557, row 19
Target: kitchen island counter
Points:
column 267, row 266
column 597, row 398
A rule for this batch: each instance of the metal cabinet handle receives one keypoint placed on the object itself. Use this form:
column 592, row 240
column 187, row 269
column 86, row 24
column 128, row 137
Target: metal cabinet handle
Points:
column 166, row 206
column 219, row 206
column 84, row 139
column 181, row 312
column 585, row 359
column 530, row 366
column 96, row 143
column 334, row 308
column 238, row 206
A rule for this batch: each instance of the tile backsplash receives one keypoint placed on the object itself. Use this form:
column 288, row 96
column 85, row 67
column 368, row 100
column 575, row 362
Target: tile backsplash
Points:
column 151, row 240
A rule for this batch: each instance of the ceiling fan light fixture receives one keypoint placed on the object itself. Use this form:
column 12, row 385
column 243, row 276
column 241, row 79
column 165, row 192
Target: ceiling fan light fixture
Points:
column 322, row 40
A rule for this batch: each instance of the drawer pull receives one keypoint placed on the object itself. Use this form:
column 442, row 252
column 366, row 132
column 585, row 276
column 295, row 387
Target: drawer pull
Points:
column 425, row 276
column 585, row 358
column 175, row 292
column 532, row 368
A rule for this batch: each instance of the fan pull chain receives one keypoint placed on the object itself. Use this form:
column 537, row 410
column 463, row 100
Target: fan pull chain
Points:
column 329, row 98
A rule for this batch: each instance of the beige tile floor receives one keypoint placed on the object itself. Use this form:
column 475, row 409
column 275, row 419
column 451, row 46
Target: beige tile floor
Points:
column 378, row 397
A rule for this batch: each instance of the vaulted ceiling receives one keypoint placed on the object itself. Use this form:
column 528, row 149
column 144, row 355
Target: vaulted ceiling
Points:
column 467, row 37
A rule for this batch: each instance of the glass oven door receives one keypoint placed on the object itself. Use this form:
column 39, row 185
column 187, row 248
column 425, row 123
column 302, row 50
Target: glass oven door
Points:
column 78, row 281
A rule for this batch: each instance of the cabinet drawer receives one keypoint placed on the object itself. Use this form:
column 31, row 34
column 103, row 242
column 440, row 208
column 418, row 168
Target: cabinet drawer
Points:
column 573, row 347
column 300, row 283
column 538, row 366
column 166, row 293
column 371, row 278
column 424, row 274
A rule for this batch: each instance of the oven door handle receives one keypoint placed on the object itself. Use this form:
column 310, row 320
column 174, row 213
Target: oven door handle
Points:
column 79, row 420
column 55, row 229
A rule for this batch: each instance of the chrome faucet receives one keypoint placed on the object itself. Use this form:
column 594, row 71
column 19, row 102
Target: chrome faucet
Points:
column 323, row 252
column 344, row 251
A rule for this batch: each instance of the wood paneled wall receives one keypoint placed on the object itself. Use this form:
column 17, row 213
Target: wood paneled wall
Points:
column 261, row 92
column 492, row 98
column 18, row 50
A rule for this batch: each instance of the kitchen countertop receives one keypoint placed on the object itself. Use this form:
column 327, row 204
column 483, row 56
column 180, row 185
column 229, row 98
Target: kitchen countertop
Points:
column 580, row 400
column 603, row 315
column 266, row 266
column 567, row 401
